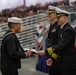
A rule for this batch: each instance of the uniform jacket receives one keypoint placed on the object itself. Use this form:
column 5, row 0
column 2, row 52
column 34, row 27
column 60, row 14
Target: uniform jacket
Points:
column 11, row 52
column 53, row 34
column 65, row 48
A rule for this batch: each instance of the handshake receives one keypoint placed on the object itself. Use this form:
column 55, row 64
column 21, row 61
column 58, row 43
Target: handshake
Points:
column 30, row 51
column 33, row 51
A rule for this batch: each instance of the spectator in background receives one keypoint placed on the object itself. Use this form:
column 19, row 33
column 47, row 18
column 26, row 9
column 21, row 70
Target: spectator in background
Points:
column 31, row 13
column 12, row 14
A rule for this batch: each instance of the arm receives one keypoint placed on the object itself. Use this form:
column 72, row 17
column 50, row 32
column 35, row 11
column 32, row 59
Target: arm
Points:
column 64, row 41
column 14, row 50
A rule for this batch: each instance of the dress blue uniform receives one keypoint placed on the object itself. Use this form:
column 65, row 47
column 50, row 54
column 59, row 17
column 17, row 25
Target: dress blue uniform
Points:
column 11, row 52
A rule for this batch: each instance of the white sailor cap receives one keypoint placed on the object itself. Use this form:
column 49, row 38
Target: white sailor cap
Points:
column 14, row 20
column 51, row 9
column 61, row 12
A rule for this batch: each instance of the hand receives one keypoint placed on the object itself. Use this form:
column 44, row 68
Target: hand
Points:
column 41, row 52
column 49, row 62
column 29, row 53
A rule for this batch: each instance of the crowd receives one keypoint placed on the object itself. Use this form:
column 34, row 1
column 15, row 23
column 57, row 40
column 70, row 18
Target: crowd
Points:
column 24, row 11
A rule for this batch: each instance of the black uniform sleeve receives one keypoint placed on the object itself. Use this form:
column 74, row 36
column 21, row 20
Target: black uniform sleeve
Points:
column 65, row 40
column 46, row 52
column 13, row 50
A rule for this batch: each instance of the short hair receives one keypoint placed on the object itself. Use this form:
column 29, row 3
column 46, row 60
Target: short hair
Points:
column 10, row 24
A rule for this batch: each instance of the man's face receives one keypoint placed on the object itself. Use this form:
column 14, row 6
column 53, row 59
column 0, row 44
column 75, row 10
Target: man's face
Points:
column 52, row 16
column 31, row 13
column 17, row 27
column 61, row 20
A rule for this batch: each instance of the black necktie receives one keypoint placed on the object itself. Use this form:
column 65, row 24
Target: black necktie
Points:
column 59, row 33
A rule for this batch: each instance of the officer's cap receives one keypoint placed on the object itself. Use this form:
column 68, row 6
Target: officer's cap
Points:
column 51, row 9
column 14, row 20
column 61, row 12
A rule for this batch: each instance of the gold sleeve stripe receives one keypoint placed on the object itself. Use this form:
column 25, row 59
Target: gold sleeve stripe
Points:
column 50, row 50
column 48, row 12
column 55, row 56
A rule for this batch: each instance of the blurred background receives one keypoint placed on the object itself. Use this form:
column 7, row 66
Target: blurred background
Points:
column 10, row 8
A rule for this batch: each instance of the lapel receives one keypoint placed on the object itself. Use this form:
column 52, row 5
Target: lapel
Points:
column 53, row 27
column 62, row 30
